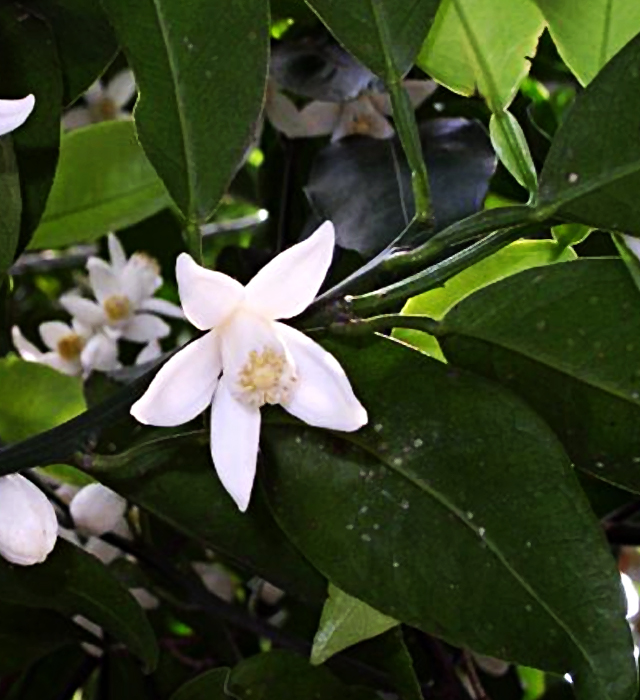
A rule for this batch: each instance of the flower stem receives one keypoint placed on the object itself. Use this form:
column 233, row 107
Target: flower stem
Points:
column 386, row 322
column 193, row 241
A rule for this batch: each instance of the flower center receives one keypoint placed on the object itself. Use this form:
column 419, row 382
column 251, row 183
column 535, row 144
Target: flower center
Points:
column 104, row 111
column 117, row 307
column 70, row 346
column 266, row 377
column 147, row 262
column 361, row 124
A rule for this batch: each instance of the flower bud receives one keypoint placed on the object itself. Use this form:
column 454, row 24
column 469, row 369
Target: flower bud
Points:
column 28, row 523
column 96, row 509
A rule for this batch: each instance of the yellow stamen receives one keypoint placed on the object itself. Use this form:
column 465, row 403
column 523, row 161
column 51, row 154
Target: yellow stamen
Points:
column 103, row 111
column 266, row 377
column 70, row 346
column 117, row 307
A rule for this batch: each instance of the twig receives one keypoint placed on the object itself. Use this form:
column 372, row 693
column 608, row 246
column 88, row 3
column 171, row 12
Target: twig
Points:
column 472, row 675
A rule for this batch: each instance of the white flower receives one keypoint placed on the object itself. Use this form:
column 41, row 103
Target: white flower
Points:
column 28, row 523
column 74, row 349
column 96, row 509
column 103, row 103
column 124, row 290
column 261, row 360
column 365, row 115
column 14, row 113
column 216, row 579
column 146, row 600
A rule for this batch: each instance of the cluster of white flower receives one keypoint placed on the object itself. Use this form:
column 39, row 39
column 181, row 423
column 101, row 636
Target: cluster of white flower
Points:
column 365, row 115
column 124, row 308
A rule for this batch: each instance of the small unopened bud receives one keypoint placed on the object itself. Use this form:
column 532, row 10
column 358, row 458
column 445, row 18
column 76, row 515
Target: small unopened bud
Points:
column 96, row 509
column 146, row 600
column 28, row 523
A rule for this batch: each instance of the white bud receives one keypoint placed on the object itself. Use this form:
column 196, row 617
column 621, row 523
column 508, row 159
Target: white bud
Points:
column 215, row 579
column 491, row 665
column 146, row 600
column 96, row 509
column 28, row 523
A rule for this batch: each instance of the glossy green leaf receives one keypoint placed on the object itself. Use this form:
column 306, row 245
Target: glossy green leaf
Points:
column 84, row 38
column 35, row 398
column 104, row 183
column 566, row 338
column 453, row 463
column 72, row 582
column 11, row 204
column 174, row 479
column 346, row 621
column 208, row 686
column 282, row 674
column 385, row 35
column 389, row 652
column 484, row 46
column 512, row 148
column 27, row 635
column 570, row 234
column 588, row 34
column 203, row 67
column 518, row 256
column 30, row 64
column 592, row 174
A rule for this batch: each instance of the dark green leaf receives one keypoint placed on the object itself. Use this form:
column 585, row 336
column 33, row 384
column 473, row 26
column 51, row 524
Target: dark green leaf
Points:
column 174, row 479
column 86, row 43
column 566, row 338
column 203, row 67
column 27, row 635
column 282, row 674
column 30, row 64
column 483, row 47
column 385, row 35
column 368, row 216
column 208, row 686
column 123, row 679
column 39, row 398
column 11, row 204
column 451, row 463
column 392, row 656
column 72, row 582
column 104, row 182
column 346, row 621
column 512, row 148
column 609, row 25
column 592, row 174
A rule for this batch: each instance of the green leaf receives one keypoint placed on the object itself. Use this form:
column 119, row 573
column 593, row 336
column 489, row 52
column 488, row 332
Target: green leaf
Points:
column 86, row 43
column 518, row 256
column 282, row 674
column 564, row 337
column 72, row 582
column 27, row 635
column 346, row 621
column 174, row 479
column 30, row 64
column 570, row 234
column 385, row 35
column 592, row 174
column 510, row 144
column 203, row 66
column 484, row 46
column 11, row 204
column 453, row 463
column 36, row 398
column 389, row 652
column 208, row 686
column 104, row 182
column 588, row 34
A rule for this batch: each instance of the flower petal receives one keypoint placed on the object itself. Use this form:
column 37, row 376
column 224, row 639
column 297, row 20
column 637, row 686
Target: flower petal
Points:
column 143, row 328
column 14, row 113
column 289, row 283
column 52, row 332
column 101, row 353
column 151, row 351
column 183, row 387
column 418, row 91
column 284, row 115
column 323, row 396
column 362, row 117
column 71, row 367
column 121, row 88
column 76, row 118
column 320, row 118
column 235, row 432
column 85, row 310
column 163, row 307
column 116, row 253
column 104, row 282
column 96, row 509
column 95, row 93
column 207, row 297
column 140, row 278
column 27, row 350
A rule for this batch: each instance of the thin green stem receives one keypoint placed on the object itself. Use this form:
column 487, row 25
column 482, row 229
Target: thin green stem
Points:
column 193, row 240
column 385, row 322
